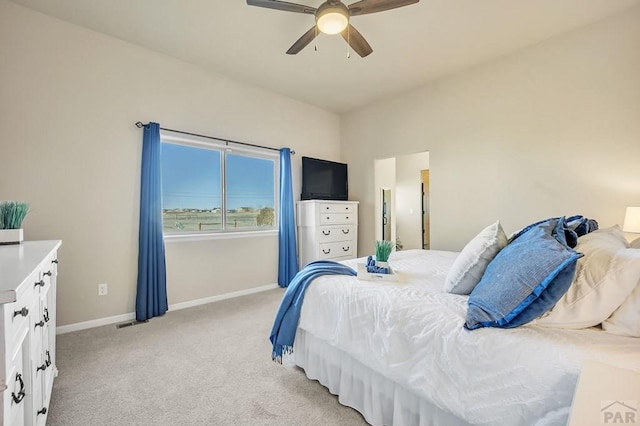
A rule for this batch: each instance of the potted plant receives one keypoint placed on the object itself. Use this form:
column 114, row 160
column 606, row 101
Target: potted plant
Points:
column 383, row 250
column 12, row 214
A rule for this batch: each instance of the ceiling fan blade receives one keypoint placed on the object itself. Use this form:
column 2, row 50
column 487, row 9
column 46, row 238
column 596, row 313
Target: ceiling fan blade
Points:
column 356, row 41
column 302, row 42
column 282, row 5
column 364, row 7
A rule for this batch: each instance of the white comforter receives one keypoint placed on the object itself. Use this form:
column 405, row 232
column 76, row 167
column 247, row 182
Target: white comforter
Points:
column 411, row 332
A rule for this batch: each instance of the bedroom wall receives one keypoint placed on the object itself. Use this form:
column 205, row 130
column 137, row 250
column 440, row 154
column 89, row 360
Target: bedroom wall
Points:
column 69, row 98
column 550, row 130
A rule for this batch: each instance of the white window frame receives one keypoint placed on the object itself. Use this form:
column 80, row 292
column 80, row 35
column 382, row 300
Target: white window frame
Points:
column 167, row 136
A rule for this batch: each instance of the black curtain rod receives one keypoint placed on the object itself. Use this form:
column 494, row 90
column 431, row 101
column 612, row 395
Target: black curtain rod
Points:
column 140, row 125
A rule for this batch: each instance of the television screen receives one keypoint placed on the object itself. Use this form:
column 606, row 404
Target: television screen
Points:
column 323, row 180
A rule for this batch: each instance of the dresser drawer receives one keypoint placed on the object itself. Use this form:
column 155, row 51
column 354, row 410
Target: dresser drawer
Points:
column 46, row 271
column 16, row 314
column 337, row 208
column 338, row 249
column 337, row 218
column 17, row 387
column 329, row 234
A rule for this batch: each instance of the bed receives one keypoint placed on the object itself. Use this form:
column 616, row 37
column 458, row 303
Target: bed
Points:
column 398, row 353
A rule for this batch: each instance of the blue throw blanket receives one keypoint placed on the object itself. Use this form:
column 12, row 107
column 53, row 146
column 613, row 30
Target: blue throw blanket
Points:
column 283, row 332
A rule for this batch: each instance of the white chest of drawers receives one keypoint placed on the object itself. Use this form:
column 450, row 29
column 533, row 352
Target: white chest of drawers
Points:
column 28, row 274
column 327, row 230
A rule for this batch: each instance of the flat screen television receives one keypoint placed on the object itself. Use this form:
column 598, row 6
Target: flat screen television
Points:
column 324, row 180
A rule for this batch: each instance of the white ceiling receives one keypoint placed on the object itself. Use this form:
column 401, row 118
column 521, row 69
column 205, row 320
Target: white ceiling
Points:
column 411, row 45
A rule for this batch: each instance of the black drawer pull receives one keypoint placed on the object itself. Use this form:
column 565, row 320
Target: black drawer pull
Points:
column 21, row 393
column 326, row 232
column 43, row 411
column 345, row 231
column 327, row 207
column 46, row 315
column 39, row 283
column 48, row 360
column 328, row 218
column 42, row 367
column 326, row 251
column 48, row 273
column 346, row 249
column 39, row 324
column 55, row 261
column 347, row 217
column 24, row 312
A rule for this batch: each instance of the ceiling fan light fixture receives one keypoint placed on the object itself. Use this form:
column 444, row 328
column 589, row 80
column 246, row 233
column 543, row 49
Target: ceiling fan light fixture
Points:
column 332, row 19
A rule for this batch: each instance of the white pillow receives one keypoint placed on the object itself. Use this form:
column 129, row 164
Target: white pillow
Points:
column 469, row 266
column 605, row 276
column 625, row 321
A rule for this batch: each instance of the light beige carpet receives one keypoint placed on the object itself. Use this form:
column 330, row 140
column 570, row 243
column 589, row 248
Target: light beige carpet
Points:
column 208, row 365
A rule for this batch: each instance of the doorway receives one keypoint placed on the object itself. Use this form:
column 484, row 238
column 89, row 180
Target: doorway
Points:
column 402, row 200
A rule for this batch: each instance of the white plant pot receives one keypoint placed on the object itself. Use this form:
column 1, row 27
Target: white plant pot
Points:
column 382, row 264
column 11, row 236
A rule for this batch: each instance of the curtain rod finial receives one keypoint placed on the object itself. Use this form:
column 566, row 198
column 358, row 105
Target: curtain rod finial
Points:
column 139, row 124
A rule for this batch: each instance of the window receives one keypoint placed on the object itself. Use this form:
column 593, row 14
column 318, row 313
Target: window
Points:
column 208, row 187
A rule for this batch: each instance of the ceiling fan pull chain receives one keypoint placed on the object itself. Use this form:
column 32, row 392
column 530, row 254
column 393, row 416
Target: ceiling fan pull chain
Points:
column 315, row 40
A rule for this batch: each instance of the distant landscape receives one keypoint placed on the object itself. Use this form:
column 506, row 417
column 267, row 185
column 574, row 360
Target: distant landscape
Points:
column 183, row 220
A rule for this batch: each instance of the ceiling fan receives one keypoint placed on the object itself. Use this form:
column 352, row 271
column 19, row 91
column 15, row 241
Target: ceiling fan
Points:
column 332, row 17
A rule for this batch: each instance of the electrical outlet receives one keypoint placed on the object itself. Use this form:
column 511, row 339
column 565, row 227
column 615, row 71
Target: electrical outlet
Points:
column 102, row 289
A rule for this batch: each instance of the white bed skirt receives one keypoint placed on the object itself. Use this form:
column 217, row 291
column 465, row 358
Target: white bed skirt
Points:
column 380, row 400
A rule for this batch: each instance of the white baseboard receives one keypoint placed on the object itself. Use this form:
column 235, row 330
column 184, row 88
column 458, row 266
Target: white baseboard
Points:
column 95, row 323
column 205, row 300
column 175, row 307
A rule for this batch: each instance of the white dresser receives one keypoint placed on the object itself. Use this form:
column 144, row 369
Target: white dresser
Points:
column 28, row 274
column 327, row 230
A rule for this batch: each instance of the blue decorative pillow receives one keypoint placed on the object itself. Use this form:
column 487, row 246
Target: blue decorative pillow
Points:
column 570, row 237
column 581, row 225
column 573, row 227
column 525, row 279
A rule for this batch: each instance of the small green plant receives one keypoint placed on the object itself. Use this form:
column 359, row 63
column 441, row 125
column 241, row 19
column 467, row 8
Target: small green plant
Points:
column 12, row 214
column 383, row 250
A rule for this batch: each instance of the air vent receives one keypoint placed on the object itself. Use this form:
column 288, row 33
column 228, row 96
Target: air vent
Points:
column 130, row 323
